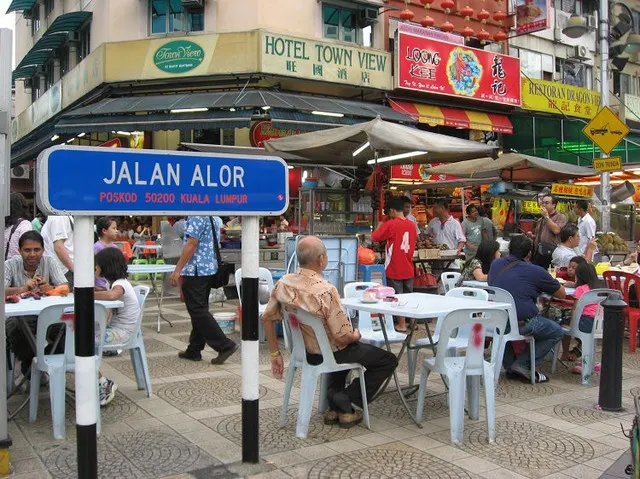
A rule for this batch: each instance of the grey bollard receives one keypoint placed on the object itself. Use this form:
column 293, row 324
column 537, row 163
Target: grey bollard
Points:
column 610, row 395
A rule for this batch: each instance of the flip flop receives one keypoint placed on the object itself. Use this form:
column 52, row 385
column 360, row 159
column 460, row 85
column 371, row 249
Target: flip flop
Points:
column 401, row 330
column 541, row 378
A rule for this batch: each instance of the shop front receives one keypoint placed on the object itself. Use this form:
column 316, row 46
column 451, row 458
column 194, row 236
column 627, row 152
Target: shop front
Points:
column 205, row 88
column 453, row 89
column 551, row 122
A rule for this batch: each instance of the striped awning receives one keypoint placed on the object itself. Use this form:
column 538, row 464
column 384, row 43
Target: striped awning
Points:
column 453, row 117
column 20, row 5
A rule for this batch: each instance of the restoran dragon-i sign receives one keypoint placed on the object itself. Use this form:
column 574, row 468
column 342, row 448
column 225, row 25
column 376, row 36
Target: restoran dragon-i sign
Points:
column 443, row 68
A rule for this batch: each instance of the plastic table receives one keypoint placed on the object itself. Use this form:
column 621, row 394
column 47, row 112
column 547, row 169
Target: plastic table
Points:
column 416, row 306
column 152, row 270
column 33, row 307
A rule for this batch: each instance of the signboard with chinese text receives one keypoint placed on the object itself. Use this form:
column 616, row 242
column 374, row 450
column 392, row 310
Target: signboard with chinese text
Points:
column 571, row 190
column 443, row 68
column 80, row 180
column 324, row 61
column 606, row 130
column 532, row 15
column 558, row 98
column 608, row 164
column 417, row 173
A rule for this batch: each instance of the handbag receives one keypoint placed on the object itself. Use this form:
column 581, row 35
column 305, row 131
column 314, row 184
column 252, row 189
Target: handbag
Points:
column 221, row 277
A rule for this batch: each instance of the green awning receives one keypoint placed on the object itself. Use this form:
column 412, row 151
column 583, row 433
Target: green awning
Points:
column 69, row 22
column 20, row 5
column 38, row 56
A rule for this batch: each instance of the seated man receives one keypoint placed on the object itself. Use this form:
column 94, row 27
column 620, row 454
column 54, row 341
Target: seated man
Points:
column 525, row 282
column 29, row 271
column 308, row 290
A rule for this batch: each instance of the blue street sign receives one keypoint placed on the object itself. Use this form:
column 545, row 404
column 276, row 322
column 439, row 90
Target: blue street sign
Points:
column 78, row 180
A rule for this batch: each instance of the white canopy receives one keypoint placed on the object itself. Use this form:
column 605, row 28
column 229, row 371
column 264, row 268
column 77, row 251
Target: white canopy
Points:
column 514, row 167
column 337, row 145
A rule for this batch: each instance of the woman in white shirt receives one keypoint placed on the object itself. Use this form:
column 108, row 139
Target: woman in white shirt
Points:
column 16, row 224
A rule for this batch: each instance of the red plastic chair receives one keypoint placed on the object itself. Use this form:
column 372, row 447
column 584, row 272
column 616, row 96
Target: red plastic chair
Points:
column 149, row 252
column 626, row 282
column 125, row 247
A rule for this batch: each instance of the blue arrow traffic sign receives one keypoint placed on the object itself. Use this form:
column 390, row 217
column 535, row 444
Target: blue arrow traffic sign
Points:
column 79, row 180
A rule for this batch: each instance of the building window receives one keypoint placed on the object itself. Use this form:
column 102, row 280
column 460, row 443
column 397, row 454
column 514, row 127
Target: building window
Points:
column 35, row 19
column 170, row 16
column 84, row 42
column 575, row 74
column 538, row 66
column 342, row 24
column 49, row 5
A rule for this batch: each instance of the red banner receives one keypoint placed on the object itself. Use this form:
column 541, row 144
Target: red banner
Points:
column 264, row 130
column 417, row 173
column 432, row 66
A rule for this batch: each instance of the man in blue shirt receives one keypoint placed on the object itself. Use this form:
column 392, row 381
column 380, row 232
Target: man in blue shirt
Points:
column 526, row 282
column 197, row 266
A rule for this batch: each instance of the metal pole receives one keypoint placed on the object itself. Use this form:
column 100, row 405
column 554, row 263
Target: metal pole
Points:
column 6, row 50
column 250, row 352
column 610, row 395
column 86, row 374
column 603, row 32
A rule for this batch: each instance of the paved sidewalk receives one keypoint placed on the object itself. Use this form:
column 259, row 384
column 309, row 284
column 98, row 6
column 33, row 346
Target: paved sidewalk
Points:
column 191, row 426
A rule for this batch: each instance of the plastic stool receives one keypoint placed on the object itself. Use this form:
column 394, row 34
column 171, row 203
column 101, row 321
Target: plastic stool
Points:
column 366, row 273
column 140, row 276
column 159, row 276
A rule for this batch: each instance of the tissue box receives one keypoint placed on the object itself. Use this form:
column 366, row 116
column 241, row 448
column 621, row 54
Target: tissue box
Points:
column 381, row 291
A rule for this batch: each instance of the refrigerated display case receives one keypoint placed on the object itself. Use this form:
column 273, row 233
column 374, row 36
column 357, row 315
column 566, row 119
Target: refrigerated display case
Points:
column 328, row 211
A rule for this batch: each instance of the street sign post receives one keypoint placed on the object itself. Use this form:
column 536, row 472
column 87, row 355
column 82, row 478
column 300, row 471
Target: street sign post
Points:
column 613, row 163
column 85, row 181
column 6, row 55
column 606, row 130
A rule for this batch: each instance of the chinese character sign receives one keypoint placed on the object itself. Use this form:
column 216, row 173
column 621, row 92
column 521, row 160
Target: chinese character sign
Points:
column 571, row 190
column 433, row 66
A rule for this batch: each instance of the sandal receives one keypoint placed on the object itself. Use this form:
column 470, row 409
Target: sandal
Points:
column 541, row 378
column 405, row 330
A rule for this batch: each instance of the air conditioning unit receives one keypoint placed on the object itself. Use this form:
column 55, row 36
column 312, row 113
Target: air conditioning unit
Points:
column 20, row 172
column 592, row 22
column 581, row 52
column 368, row 15
column 192, row 3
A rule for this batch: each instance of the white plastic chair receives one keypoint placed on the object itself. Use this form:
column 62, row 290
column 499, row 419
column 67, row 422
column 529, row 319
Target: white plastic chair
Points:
column 57, row 365
column 294, row 318
column 449, row 280
column 263, row 275
column 596, row 296
column 459, row 342
column 135, row 345
column 467, row 368
column 365, row 324
column 500, row 295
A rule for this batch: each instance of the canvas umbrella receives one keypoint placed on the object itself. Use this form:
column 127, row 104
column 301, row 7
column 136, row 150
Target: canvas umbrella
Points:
column 514, row 167
column 391, row 142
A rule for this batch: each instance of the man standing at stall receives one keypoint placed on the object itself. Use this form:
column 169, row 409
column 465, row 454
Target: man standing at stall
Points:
column 407, row 204
column 548, row 231
column 444, row 228
column 400, row 235
column 586, row 225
